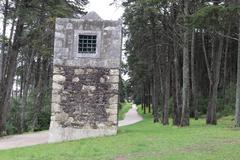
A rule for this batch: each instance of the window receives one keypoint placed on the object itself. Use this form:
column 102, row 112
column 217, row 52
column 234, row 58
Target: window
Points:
column 87, row 44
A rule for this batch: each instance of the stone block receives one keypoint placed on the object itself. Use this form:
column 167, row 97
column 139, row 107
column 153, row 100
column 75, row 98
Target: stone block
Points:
column 113, row 118
column 101, row 125
column 76, row 79
column 57, row 61
column 79, row 71
column 58, row 70
column 89, row 71
column 88, row 88
column 59, row 35
column 54, row 124
column 113, row 99
column 114, row 86
column 114, row 72
column 69, row 26
column 63, row 98
column 57, row 87
column 111, row 111
column 58, row 44
column 53, row 118
column 59, row 134
column 65, row 55
column 113, row 79
column 61, row 51
column 56, row 108
column 102, row 80
column 56, row 98
column 59, row 27
column 59, row 78
column 69, row 121
column 61, row 117
column 113, row 106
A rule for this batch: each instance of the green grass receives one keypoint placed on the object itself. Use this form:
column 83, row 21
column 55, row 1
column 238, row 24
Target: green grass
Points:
column 144, row 141
column 124, row 109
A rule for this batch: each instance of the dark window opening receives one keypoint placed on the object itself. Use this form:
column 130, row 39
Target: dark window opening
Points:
column 87, row 44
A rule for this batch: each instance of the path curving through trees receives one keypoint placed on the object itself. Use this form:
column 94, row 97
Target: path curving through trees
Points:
column 131, row 117
column 30, row 139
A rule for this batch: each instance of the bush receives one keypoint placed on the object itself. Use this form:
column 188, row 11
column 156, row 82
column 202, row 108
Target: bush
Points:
column 226, row 103
column 32, row 111
column 13, row 119
column 123, row 109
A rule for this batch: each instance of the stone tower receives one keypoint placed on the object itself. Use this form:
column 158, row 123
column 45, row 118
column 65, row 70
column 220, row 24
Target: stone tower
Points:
column 87, row 55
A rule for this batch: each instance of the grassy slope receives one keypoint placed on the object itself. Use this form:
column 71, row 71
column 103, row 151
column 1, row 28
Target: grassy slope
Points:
column 125, row 107
column 144, row 140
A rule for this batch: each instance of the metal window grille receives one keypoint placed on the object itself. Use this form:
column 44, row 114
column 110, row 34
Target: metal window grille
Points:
column 87, row 44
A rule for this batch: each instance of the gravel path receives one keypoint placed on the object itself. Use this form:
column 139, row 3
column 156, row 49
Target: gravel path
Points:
column 30, row 139
column 22, row 140
column 131, row 117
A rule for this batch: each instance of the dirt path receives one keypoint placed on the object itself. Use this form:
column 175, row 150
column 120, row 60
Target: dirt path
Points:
column 22, row 140
column 30, row 139
column 131, row 117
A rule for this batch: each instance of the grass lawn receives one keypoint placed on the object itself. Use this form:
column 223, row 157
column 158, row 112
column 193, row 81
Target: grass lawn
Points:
column 125, row 108
column 144, row 140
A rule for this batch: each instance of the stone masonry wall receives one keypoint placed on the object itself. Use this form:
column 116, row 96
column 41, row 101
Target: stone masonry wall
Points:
column 85, row 87
column 85, row 97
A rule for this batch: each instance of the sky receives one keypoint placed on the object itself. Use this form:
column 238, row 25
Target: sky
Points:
column 105, row 10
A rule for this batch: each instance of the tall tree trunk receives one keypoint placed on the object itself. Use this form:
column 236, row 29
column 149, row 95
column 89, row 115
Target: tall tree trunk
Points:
column 155, row 97
column 6, row 86
column 25, row 91
column 2, row 109
column 5, row 13
column 237, row 105
column 6, row 57
column 213, row 87
column 144, row 100
column 193, row 79
column 225, row 65
column 185, row 94
column 165, row 120
column 149, row 97
column 177, row 87
column 142, row 103
column 40, row 90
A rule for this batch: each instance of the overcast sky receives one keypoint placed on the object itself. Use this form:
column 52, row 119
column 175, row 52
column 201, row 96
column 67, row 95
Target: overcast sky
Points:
column 105, row 10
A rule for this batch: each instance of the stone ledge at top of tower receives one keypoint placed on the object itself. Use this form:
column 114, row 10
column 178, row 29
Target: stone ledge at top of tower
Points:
column 92, row 16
